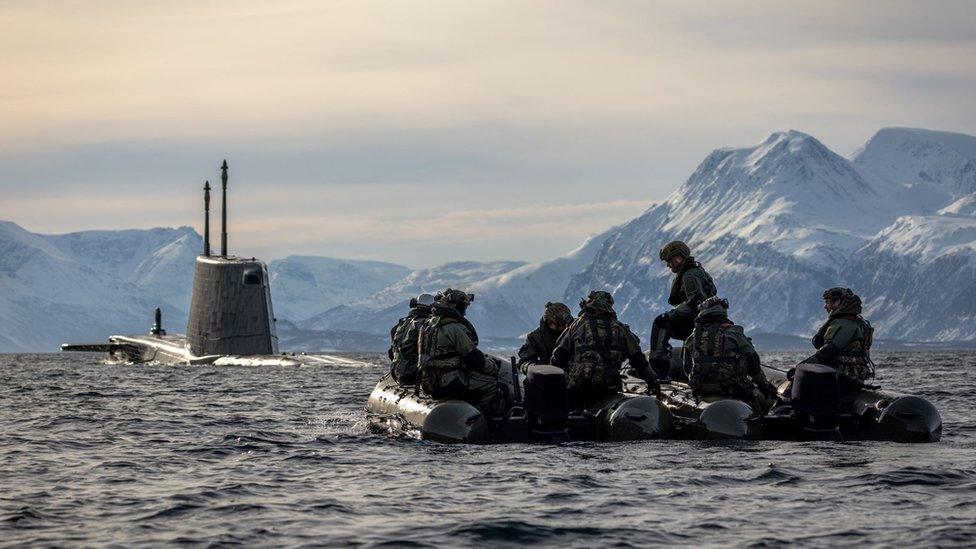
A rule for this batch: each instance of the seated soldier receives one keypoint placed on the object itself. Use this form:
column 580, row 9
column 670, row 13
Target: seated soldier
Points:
column 720, row 360
column 690, row 286
column 844, row 341
column 541, row 342
column 592, row 350
column 403, row 340
column 451, row 366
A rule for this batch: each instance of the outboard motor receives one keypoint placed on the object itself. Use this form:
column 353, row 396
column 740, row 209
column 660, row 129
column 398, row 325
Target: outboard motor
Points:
column 816, row 391
column 546, row 402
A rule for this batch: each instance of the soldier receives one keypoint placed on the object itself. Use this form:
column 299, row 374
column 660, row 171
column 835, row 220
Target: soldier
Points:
column 844, row 341
column 691, row 285
column 541, row 342
column 403, row 340
column 451, row 366
column 592, row 350
column 720, row 360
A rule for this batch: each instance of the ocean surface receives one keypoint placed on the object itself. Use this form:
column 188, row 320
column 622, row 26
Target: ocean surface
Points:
column 97, row 454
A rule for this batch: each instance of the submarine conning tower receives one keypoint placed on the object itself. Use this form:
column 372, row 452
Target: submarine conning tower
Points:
column 230, row 310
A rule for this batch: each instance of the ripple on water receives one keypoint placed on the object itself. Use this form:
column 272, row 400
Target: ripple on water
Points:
column 128, row 455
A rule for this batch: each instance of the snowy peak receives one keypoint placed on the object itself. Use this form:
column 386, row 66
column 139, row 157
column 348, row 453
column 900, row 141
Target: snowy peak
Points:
column 927, row 238
column 932, row 162
column 790, row 191
column 964, row 207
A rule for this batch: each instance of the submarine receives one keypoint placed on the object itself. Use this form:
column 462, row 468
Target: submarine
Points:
column 231, row 319
column 816, row 404
column 534, row 409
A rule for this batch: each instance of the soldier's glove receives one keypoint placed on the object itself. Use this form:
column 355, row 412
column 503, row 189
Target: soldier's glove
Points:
column 827, row 355
column 474, row 360
column 769, row 390
column 560, row 358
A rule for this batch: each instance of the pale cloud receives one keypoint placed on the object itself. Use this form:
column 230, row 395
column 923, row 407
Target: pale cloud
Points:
column 375, row 128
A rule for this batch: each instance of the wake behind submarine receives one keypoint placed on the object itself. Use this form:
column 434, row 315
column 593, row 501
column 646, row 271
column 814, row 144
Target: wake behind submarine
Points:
column 231, row 320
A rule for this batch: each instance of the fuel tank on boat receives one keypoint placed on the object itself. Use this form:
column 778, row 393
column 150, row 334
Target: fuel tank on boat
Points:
column 865, row 413
column 401, row 411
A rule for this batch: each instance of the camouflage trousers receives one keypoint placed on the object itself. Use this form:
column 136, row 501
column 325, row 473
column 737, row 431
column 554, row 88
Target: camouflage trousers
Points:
column 477, row 388
column 856, row 368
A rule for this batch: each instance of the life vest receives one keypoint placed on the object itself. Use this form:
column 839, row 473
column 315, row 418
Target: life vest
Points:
column 716, row 370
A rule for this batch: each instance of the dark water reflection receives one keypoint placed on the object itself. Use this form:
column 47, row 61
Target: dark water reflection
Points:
column 96, row 454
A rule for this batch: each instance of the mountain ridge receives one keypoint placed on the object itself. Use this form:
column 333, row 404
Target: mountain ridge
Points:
column 774, row 223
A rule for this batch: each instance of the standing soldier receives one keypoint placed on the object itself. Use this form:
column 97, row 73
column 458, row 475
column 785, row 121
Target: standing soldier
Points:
column 691, row 285
column 403, row 340
column 451, row 366
column 720, row 360
column 592, row 350
column 541, row 342
column 844, row 341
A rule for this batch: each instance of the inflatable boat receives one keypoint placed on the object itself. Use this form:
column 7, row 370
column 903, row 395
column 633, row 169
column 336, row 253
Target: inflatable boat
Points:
column 532, row 408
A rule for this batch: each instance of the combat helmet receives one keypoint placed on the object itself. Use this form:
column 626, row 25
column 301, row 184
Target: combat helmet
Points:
column 456, row 298
column 557, row 313
column 598, row 300
column 673, row 248
column 714, row 307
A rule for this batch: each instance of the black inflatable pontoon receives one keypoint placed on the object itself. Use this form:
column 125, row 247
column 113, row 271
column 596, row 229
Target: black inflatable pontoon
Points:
column 539, row 413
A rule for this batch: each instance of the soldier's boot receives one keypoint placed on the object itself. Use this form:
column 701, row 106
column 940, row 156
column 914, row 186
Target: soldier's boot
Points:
column 660, row 360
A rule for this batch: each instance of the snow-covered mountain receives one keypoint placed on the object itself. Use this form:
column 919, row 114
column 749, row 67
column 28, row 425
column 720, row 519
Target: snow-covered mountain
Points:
column 920, row 277
column 511, row 303
column 777, row 223
column 377, row 312
column 456, row 274
column 90, row 284
column 774, row 224
column 933, row 167
column 303, row 286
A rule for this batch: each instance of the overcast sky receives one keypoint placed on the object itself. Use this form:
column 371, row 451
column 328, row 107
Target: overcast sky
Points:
column 424, row 132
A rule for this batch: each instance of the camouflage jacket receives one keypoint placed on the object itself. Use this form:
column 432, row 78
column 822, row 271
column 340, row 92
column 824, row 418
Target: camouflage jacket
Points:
column 599, row 337
column 844, row 342
column 690, row 287
column 539, row 345
column 721, row 346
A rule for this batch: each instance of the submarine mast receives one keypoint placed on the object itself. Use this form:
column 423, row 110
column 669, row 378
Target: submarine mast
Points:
column 206, row 218
column 223, row 210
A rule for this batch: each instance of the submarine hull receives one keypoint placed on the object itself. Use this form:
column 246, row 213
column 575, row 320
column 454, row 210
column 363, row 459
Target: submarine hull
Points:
column 399, row 410
column 174, row 350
